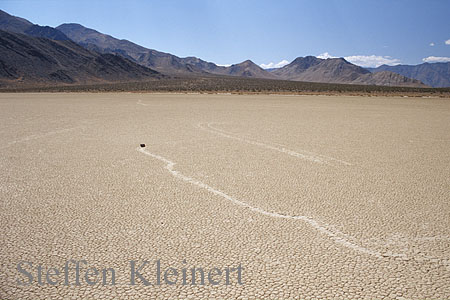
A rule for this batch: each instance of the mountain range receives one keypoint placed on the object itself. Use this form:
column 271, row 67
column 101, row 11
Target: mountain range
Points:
column 329, row 71
column 33, row 52
column 432, row 74
column 40, row 60
column 163, row 62
column 41, row 54
column 338, row 70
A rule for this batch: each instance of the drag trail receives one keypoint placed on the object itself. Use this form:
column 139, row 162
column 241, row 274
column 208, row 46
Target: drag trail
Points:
column 337, row 236
column 306, row 155
column 328, row 230
column 40, row 136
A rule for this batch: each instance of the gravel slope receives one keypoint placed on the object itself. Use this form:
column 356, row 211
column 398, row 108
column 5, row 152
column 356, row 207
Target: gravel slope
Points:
column 316, row 197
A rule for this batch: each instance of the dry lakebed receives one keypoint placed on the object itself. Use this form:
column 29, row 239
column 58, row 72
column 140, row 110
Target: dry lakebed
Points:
column 228, row 197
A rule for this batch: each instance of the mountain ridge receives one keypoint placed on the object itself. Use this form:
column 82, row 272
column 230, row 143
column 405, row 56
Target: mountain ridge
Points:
column 104, row 43
column 338, row 70
column 28, row 59
column 432, row 74
column 13, row 23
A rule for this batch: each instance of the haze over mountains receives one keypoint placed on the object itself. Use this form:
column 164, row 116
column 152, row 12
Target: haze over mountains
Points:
column 89, row 55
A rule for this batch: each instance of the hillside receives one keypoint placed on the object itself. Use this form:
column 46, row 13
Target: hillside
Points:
column 18, row 25
column 296, row 67
column 338, row 70
column 46, row 32
column 26, row 59
column 432, row 74
column 12, row 23
column 103, row 43
column 387, row 78
column 163, row 62
column 334, row 70
column 248, row 69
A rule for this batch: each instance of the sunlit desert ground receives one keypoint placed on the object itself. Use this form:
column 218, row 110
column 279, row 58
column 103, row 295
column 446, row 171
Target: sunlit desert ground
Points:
column 316, row 197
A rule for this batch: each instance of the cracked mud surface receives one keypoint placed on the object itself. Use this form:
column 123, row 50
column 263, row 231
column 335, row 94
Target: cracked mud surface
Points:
column 317, row 197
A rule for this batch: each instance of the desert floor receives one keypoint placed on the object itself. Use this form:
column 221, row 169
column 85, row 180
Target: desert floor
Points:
column 316, row 197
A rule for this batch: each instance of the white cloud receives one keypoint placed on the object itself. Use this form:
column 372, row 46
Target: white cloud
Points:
column 273, row 65
column 368, row 61
column 325, row 56
column 432, row 44
column 226, row 65
column 372, row 61
column 434, row 59
column 447, row 42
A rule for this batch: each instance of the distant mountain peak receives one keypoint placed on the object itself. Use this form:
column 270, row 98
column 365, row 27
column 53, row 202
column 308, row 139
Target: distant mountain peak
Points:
column 248, row 68
column 306, row 58
column 247, row 62
column 74, row 25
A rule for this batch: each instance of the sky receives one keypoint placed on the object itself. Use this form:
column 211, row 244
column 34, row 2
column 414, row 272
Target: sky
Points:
column 270, row 33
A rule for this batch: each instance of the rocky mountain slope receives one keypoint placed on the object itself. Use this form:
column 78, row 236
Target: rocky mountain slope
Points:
column 30, row 59
column 338, row 70
column 46, row 32
column 432, row 74
column 103, row 43
column 248, row 69
column 296, row 67
column 19, row 25
column 163, row 62
column 387, row 78
column 12, row 23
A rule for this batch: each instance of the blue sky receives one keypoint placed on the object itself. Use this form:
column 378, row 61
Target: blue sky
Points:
column 366, row 32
